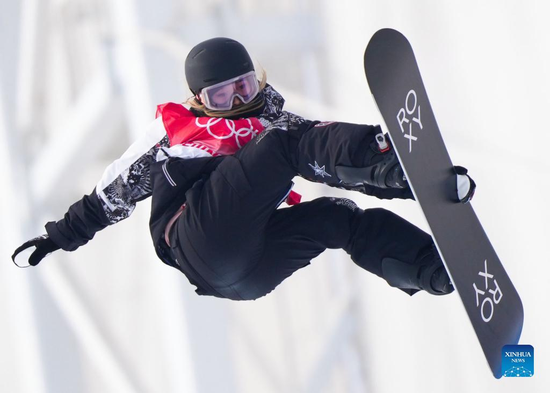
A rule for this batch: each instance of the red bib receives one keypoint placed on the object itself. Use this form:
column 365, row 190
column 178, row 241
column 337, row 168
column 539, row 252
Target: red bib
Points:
column 215, row 135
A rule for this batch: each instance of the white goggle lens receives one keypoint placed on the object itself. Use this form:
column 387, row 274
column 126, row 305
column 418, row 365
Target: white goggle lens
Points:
column 219, row 97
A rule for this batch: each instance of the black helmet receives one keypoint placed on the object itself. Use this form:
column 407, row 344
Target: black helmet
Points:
column 216, row 60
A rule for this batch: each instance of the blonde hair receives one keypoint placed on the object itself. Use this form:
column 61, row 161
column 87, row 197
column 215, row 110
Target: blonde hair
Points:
column 256, row 103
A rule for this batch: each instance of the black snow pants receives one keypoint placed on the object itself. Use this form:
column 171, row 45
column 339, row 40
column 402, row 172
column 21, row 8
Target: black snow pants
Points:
column 233, row 241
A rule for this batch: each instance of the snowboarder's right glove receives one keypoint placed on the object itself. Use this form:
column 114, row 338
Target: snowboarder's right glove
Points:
column 44, row 246
column 465, row 186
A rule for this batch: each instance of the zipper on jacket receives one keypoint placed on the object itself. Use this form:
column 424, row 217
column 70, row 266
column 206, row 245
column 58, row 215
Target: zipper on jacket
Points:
column 168, row 177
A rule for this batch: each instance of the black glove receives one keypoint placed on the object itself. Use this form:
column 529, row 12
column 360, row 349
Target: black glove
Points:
column 380, row 168
column 465, row 186
column 44, row 246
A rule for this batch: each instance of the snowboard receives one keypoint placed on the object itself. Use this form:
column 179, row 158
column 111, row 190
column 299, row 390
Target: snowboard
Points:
column 491, row 301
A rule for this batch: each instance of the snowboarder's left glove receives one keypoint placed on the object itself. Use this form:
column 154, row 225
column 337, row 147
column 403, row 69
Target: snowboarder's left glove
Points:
column 465, row 186
column 44, row 246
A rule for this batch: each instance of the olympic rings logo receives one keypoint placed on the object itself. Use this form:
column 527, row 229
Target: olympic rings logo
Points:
column 218, row 131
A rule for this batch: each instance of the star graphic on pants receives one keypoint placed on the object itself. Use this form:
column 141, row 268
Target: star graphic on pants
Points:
column 319, row 170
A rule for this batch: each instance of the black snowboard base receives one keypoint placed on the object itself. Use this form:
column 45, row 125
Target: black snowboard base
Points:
column 491, row 301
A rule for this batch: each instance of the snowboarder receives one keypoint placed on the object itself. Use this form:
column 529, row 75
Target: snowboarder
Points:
column 218, row 171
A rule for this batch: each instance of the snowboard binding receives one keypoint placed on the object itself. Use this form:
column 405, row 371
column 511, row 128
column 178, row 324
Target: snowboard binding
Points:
column 426, row 273
column 383, row 170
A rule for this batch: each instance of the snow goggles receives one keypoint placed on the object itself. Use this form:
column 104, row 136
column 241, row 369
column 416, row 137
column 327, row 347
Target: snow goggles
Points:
column 219, row 97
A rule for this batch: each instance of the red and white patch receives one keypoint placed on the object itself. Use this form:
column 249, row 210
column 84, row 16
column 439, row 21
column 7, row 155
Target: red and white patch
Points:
column 217, row 136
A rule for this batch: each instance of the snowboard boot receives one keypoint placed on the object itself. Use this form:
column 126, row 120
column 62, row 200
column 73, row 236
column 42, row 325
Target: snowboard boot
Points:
column 381, row 168
column 426, row 273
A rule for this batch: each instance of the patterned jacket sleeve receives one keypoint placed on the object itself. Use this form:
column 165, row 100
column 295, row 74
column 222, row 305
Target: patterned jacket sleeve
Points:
column 124, row 183
column 127, row 181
